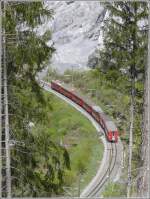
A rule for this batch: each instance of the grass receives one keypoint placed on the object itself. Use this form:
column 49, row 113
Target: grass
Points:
column 114, row 190
column 113, row 96
column 94, row 162
column 72, row 130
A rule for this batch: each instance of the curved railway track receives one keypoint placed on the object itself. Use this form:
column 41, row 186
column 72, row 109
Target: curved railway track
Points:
column 108, row 172
column 109, row 168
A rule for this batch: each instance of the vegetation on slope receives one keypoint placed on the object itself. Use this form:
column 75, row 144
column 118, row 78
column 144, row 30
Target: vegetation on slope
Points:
column 71, row 129
column 40, row 166
column 110, row 93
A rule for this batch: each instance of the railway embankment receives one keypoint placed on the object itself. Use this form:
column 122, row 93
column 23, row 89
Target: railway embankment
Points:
column 77, row 134
column 111, row 165
column 99, row 88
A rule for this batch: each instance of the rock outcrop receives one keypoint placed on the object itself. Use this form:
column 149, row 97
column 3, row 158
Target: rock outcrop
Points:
column 75, row 32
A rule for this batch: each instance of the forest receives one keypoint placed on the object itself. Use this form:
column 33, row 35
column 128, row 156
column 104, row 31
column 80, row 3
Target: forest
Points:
column 41, row 164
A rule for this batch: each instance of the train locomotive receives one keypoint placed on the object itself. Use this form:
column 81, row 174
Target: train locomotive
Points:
column 105, row 122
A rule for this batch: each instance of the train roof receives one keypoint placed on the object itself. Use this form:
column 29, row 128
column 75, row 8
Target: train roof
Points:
column 111, row 126
column 109, row 123
column 75, row 91
column 97, row 109
column 57, row 82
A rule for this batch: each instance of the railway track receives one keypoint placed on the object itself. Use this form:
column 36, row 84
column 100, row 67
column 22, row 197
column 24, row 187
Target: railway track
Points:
column 112, row 156
column 109, row 168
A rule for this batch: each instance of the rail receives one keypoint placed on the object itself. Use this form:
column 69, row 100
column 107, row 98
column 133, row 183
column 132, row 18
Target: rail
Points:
column 107, row 174
column 111, row 159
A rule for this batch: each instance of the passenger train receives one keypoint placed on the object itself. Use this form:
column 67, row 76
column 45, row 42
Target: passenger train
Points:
column 105, row 122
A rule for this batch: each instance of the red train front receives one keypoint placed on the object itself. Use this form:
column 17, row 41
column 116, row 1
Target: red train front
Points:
column 112, row 136
column 112, row 131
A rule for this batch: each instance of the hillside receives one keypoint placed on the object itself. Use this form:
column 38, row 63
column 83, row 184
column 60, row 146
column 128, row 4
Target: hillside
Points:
column 114, row 100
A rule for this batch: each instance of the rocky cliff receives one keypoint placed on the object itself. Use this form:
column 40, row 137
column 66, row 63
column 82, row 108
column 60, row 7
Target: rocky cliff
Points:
column 76, row 34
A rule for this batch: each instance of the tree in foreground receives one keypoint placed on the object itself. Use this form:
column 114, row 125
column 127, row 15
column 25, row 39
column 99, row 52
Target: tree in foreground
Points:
column 37, row 163
column 124, row 57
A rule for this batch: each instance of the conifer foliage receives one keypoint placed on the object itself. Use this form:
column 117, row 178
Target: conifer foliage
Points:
column 124, row 56
column 125, row 36
column 37, row 164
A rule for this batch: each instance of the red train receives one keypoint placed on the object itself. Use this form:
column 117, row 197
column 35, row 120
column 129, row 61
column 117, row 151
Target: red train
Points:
column 107, row 125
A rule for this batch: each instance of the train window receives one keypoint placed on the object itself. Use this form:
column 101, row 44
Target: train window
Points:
column 102, row 123
column 76, row 99
column 73, row 97
column 79, row 101
column 65, row 92
column 95, row 115
column 55, row 87
column 86, row 107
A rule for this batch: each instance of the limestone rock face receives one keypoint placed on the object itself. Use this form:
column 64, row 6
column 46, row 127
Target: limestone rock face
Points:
column 75, row 32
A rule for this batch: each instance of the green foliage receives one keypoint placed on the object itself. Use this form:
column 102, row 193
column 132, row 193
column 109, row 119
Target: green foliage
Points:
column 124, row 58
column 72, row 130
column 114, row 190
column 37, row 162
column 30, row 14
column 114, row 98
column 119, row 77
column 125, row 42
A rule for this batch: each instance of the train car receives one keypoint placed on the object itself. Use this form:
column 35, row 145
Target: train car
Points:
column 58, row 87
column 100, row 113
column 66, row 93
column 112, row 132
column 55, row 86
column 108, row 125
column 96, row 115
column 86, row 107
column 96, row 112
column 77, row 100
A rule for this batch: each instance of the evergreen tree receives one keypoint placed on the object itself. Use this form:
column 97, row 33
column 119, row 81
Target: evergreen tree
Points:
column 37, row 163
column 125, row 37
column 124, row 56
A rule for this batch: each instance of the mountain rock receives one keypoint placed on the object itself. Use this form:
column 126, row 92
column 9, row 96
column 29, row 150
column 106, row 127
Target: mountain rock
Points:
column 76, row 35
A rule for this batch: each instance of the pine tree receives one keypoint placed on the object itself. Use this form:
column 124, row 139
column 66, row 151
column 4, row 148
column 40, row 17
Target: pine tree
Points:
column 125, row 51
column 37, row 163
column 125, row 38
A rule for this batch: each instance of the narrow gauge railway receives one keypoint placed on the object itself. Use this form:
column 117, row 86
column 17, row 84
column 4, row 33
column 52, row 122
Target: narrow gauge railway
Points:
column 106, row 175
column 105, row 122
column 111, row 164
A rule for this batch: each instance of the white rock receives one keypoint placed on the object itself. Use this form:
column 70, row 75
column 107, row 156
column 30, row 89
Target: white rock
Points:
column 75, row 32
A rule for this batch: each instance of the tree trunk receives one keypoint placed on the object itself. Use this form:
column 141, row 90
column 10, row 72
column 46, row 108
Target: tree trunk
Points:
column 131, row 136
column 144, row 180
